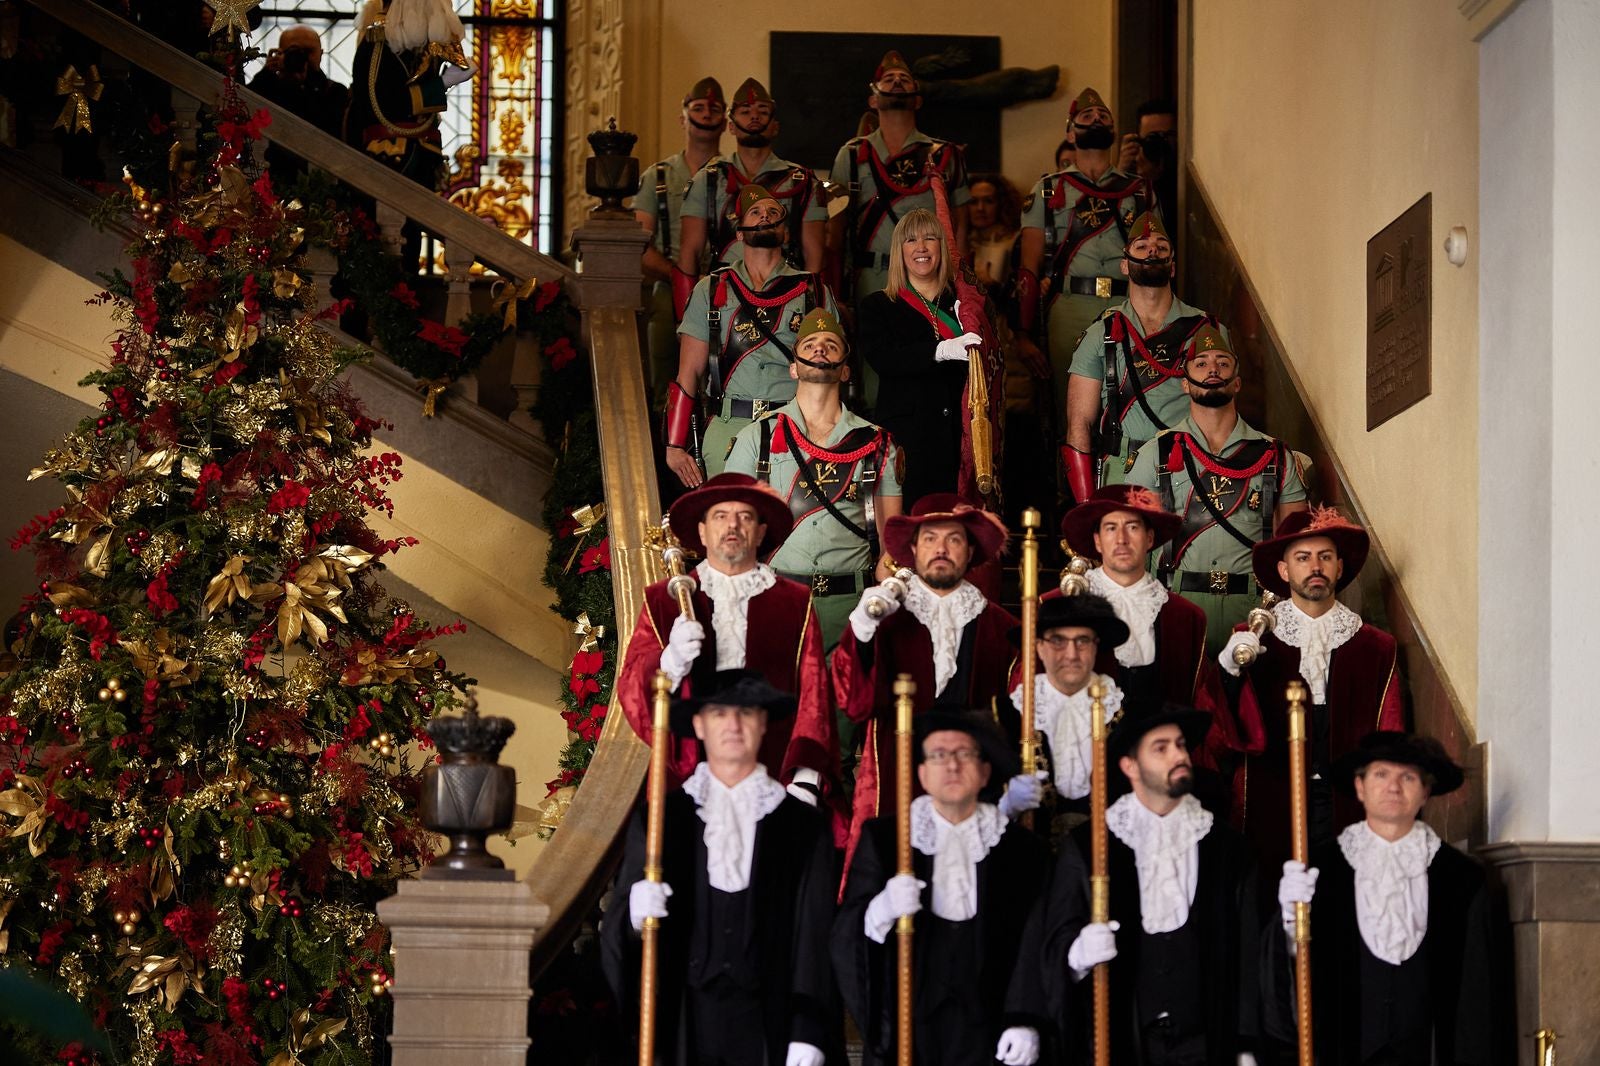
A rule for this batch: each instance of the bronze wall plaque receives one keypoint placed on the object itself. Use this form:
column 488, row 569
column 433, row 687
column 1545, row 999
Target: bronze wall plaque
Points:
column 1399, row 326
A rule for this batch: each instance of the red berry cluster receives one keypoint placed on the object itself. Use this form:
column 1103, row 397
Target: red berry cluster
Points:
column 137, row 540
column 150, row 837
column 274, row 989
column 78, row 768
column 291, row 908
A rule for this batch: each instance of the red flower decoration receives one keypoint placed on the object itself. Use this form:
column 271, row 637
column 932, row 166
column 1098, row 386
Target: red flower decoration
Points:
column 545, row 295
column 447, row 338
column 162, row 601
column 405, row 295
column 292, row 494
column 561, row 353
column 597, row 557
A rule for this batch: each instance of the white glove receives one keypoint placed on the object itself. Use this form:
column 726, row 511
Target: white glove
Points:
column 1297, row 885
column 954, row 350
column 683, row 648
column 1246, row 1059
column 1225, row 656
column 1096, row 943
column 803, row 777
column 647, row 899
column 1018, row 1046
column 901, row 896
column 454, row 75
column 803, row 1054
column 862, row 624
column 1023, row 793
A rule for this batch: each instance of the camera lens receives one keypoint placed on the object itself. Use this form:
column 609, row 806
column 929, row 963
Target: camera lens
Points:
column 296, row 60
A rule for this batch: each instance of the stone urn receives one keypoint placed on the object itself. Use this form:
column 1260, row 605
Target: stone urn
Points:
column 467, row 794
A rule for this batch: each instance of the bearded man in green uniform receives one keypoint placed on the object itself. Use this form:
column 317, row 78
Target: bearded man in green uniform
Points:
column 1075, row 230
column 839, row 473
column 736, row 341
column 1231, row 483
column 711, row 208
column 659, row 209
column 1126, row 379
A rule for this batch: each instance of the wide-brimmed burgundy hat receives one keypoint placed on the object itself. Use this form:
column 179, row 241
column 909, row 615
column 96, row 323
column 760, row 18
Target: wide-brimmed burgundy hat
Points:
column 1350, row 539
column 1080, row 523
column 985, row 531
column 1385, row 745
column 687, row 510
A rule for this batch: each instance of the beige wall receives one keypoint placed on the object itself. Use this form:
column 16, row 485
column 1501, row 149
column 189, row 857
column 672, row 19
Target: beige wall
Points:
column 678, row 43
column 1315, row 125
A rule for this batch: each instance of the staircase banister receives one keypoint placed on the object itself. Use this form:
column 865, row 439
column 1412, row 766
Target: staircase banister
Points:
column 188, row 75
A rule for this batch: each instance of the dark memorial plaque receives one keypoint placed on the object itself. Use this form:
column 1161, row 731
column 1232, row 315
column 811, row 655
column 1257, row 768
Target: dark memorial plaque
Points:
column 1399, row 326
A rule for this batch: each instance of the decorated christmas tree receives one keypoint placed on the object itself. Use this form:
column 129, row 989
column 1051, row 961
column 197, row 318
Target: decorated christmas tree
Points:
column 210, row 711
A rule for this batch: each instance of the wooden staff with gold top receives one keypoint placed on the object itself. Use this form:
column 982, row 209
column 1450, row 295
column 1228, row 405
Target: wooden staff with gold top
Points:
column 660, row 741
column 904, row 689
column 1099, row 878
column 1030, row 636
column 1300, row 846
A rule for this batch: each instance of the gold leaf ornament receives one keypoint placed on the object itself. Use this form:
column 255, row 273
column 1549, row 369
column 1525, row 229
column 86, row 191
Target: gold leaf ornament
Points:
column 169, row 975
column 304, row 1037
column 25, row 802
column 78, row 90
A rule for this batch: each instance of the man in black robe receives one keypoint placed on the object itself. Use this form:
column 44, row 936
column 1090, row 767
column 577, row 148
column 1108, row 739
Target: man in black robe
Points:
column 977, row 988
column 1183, row 938
column 1401, row 972
column 744, row 903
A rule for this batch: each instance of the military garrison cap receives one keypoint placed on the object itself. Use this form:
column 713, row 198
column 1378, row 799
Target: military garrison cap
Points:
column 892, row 60
column 750, row 92
column 751, row 195
column 1209, row 338
column 1147, row 225
column 1087, row 99
column 707, row 88
column 820, row 320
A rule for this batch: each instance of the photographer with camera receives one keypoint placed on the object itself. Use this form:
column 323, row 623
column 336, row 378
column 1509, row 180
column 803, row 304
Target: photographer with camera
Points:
column 1152, row 153
column 293, row 79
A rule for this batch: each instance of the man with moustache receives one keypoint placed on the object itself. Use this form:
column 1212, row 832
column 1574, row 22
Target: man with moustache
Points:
column 839, row 473
column 885, row 175
column 737, row 340
column 1076, row 226
column 976, row 887
column 745, row 902
column 1183, row 936
column 1125, row 384
column 711, row 218
column 1402, row 972
column 659, row 209
column 953, row 642
column 745, row 617
column 1350, row 670
column 1230, row 483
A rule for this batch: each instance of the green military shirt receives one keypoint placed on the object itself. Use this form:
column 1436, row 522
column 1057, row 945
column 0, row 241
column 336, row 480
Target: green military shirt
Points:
column 1210, row 547
column 1166, row 398
column 670, row 176
column 763, row 372
column 1100, row 255
column 819, row 544
column 903, row 170
column 778, row 176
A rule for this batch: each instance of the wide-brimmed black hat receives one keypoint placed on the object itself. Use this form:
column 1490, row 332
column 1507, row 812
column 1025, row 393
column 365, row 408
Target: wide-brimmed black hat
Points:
column 1004, row 760
column 1086, row 611
column 1135, row 721
column 733, row 688
column 1387, row 745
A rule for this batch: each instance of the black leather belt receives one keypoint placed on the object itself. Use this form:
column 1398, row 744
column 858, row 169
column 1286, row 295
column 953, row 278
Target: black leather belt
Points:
column 1105, row 288
column 848, row 584
column 751, row 409
column 1219, row 582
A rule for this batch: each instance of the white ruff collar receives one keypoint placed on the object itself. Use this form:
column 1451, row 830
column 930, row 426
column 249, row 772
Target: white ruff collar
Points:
column 944, row 617
column 956, row 850
column 730, row 816
column 1317, row 639
column 1137, row 605
column 1066, row 724
column 730, row 607
column 1391, row 887
column 1166, row 852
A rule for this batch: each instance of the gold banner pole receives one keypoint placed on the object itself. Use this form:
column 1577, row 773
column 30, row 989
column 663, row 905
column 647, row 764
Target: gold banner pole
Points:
column 904, row 689
column 660, row 741
column 1099, row 879
column 1301, row 848
column 1030, row 633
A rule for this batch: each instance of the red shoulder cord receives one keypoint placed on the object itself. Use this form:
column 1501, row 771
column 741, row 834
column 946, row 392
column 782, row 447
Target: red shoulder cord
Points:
column 785, row 425
column 1175, row 462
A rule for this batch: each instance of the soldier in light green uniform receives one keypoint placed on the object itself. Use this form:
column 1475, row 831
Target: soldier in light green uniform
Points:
column 885, row 175
column 1109, row 415
column 659, row 209
column 737, row 341
column 1074, row 232
column 847, row 487
column 710, row 210
column 1231, row 483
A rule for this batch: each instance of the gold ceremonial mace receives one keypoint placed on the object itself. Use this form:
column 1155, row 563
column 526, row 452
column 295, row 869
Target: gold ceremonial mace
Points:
column 1075, row 575
column 904, row 689
column 1099, row 879
column 1259, row 621
column 660, row 740
column 680, row 584
column 1296, row 695
column 1030, row 633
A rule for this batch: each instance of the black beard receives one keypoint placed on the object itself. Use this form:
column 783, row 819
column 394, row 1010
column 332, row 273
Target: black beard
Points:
column 752, row 140
column 942, row 582
column 1181, row 787
column 1150, row 274
column 1095, row 138
column 1211, row 397
column 897, row 101
column 764, row 237
column 715, row 127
